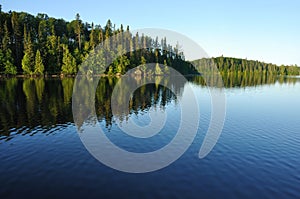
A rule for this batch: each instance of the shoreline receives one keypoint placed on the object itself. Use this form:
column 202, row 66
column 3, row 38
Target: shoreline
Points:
column 74, row 76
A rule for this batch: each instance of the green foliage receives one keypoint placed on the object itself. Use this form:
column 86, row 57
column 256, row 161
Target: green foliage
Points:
column 69, row 62
column 93, row 37
column 39, row 66
column 53, row 54
column 51, row 36
column 293, row 70
column 120, row 64
column 143, row 65
column 166, row 68
column 78, row 29
column 64, row 45
column 5, row 40
column 158, row 70
column 6, row 63
column 228, row 65
column 2, row 61
column 10, row 68
column 110, row 70
column 28, row 61
column 27, row 64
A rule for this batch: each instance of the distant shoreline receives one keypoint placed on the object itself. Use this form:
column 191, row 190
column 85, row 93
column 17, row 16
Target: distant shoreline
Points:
column 115, row 76
column 73, row 76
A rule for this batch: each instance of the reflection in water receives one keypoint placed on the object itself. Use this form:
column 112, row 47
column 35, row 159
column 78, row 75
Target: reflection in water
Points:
column 145, row 97
column 240, row 79
column 258, row 151
column 28, row 103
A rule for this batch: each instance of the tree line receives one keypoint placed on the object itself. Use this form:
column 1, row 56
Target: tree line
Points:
column 42, row 45
column 228, row 65
column 39, row 45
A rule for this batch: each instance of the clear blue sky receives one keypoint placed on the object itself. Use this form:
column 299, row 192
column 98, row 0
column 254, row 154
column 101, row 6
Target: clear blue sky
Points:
column 266, row 30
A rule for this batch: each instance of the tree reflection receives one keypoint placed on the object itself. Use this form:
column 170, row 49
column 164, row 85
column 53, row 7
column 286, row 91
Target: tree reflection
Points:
column 142, row 99
column 46, row 103
column 243, row 80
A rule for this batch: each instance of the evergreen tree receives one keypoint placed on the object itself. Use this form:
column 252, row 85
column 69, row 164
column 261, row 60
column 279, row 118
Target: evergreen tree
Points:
column 49, row 35
column 10, row 68
column 158, row 70
column 166, row 68
column 53, row 60
column 39, row 66
column 2, row 62
column 93, row 38
column 42, row 37
column 143, row 65
column 6, row 60
column 17, row 47
column 78, row 29
column 121, row 64
column 69, row 62
column 6, row 38
column 26, row 64
column 28, row 59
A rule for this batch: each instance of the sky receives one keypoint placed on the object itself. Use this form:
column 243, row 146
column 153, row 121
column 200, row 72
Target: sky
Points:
column 267, row 30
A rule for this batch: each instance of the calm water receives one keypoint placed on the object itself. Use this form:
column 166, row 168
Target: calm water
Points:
column 257, row 155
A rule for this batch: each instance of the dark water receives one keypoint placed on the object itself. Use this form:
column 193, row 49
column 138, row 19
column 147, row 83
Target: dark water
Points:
column 257, row 155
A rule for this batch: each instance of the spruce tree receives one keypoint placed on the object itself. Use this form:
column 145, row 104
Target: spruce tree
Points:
column 7, row 61
column 157, row 69
column 28, row 61
column 39, row 66
column 69, row 62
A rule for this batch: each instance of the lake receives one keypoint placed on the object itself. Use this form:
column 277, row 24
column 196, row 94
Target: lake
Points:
column 256, row 156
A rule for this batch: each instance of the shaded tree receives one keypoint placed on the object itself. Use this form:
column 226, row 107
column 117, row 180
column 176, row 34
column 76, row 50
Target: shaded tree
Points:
column 28, row 60
column 69, row 62
column 78, row 29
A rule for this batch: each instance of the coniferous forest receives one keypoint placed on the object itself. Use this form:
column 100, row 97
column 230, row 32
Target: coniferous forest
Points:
column 42, row 45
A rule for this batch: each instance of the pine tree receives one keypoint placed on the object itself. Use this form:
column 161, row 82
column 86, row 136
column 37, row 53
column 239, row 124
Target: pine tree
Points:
column 69, row 62
column 93, row 37
column 16, row 39
column 143, row 65
column 166, row 68
column 5, row 40
column 2, row 61
column 28, row 59
column 39, row 66
column 42, row 38
column 108, row 29
column 26, row 62
column 120, row 64
column 53, row 61
column 6, row 59
column 10, row 68
column 157, row 69
column 78, row 29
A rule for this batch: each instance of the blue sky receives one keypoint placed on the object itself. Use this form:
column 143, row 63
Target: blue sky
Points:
column 266, row 30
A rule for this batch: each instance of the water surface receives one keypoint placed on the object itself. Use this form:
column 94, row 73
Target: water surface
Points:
column 257, row 155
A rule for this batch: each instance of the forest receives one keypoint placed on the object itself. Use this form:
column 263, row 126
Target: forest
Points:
column 229, row 65
column 42, row 45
